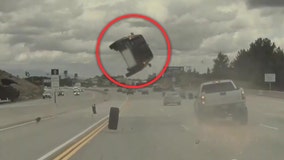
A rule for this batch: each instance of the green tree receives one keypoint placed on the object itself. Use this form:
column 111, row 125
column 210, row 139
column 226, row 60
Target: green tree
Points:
column 208, row 70
column 221, row 66
column 262, row 57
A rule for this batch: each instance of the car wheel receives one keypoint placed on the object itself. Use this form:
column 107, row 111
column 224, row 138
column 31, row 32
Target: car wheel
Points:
column 113, row 118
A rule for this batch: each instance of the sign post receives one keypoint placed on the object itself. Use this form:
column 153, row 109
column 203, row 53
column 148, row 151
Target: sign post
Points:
column 55, row 82
column 269, row 78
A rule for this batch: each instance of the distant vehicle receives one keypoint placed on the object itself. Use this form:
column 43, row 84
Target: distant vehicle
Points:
column 124, row 90
column 119, row 89
column 76, row 89
column 47, row 94
column 76, row 93
column 172, row 98
column 157, row 89
column 144, row 91
column 130, row 91
column 60, row 93
column 106, row 90
column 221, row 98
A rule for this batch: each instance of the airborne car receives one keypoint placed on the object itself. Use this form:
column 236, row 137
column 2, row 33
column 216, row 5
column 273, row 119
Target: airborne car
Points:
column 135, row 52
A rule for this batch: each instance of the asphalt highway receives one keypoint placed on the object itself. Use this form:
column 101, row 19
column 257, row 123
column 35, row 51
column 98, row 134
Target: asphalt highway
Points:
column 149, row 130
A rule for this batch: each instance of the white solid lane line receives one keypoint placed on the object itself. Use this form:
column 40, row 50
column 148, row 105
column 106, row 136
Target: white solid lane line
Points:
column 47, row 155
column 184, row 127
column 268, row 126
column 23, row 124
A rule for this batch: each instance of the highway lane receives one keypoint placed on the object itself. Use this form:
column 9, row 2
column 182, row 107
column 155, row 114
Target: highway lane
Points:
column 148, row 130
column 34, row 140
column 22, row 111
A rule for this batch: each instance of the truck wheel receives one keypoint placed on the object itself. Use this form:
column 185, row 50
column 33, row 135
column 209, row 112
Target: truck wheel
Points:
column 113, row 118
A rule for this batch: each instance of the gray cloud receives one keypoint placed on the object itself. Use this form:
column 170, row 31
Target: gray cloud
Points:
column 48, row 32
column 265, row 3
column 13, row 5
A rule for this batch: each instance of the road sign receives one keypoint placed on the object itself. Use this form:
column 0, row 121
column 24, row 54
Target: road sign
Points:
column 54, row 71
column 55, row 82
column 269, row 77
column 55, row 79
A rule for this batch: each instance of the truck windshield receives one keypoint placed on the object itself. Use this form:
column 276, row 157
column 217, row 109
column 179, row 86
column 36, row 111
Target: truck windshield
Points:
column 218, row 87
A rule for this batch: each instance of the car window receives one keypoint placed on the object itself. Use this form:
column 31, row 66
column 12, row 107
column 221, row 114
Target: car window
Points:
column 218, row 87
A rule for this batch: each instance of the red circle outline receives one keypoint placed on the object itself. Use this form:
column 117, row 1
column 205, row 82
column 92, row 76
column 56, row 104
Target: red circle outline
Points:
column 126, row 17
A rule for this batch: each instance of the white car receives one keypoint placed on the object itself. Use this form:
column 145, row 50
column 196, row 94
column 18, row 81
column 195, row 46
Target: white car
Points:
column 47, row 94
column 76, row 93
column 221, row 98
column 172, row 98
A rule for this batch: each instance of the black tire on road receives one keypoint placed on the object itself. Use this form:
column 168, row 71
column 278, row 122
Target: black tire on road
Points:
column 113, row 118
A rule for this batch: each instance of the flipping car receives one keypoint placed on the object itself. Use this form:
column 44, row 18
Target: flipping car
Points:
column 135, row 52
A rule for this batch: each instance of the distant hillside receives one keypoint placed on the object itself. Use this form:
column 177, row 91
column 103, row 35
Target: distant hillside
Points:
column 27, row 89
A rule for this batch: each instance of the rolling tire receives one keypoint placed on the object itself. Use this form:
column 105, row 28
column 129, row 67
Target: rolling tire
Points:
column 113, row 118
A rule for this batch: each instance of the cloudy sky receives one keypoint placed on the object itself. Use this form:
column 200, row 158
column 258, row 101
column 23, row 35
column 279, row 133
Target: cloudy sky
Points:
column 38, row 35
